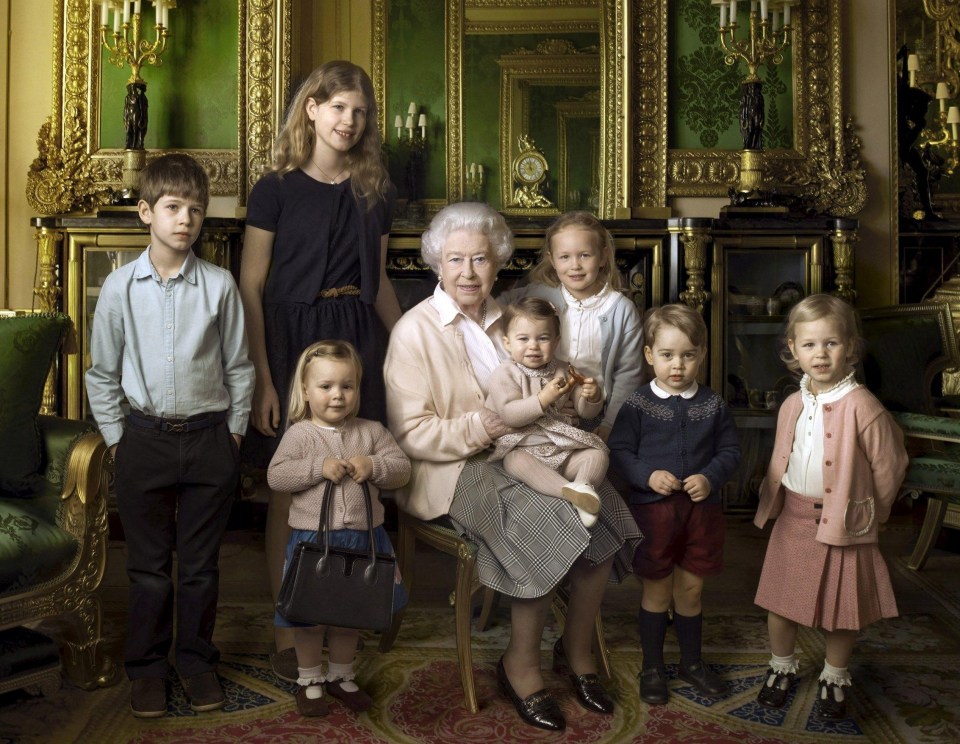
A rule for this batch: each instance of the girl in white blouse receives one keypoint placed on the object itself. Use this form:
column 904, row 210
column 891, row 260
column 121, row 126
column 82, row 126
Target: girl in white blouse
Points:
column 601, row 330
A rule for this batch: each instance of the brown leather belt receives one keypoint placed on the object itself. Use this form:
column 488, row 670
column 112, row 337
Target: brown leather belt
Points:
column 347, row 291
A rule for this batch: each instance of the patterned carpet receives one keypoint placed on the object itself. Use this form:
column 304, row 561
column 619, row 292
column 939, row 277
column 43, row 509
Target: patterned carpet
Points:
column 906, row 675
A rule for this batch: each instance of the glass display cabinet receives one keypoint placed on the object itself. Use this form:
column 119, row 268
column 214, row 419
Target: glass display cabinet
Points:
column 757, row 268
column 84, row 250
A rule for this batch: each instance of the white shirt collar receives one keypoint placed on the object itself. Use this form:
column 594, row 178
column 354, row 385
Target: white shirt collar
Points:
column 832, row 395
column 449, row 310
column 661, row 393
column 589, row 303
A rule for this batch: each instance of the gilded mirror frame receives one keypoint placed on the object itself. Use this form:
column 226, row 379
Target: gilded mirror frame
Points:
column 823, row 165
column 518, row 71
column 263, row 67
column 616, row 132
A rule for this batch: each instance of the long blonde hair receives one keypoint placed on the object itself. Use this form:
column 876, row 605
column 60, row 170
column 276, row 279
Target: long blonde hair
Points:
column 294, row 146
column 334, row 350
column 545, row 273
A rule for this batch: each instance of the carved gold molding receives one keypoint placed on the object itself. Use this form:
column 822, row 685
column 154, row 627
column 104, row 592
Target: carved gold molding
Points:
column 823, row 166
column 649, row 102
column 263, row 66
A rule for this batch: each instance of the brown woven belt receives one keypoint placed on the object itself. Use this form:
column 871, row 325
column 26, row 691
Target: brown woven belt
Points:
column 347, row 291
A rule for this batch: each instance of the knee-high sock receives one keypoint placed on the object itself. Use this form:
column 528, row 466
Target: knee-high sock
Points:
column 690, row 636
column 653, row 631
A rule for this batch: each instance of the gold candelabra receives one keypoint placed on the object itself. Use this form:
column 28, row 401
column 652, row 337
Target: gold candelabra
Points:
column 412, row 137
column 129, row 47
column 474, row 177
column 764, row 41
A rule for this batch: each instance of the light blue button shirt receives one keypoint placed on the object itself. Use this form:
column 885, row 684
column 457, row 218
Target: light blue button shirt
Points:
column 174, row 349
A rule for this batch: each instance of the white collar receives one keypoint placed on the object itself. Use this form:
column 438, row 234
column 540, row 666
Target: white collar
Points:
column 589, row 303
column 835, row 393
column 449, row 310
column 661, row 393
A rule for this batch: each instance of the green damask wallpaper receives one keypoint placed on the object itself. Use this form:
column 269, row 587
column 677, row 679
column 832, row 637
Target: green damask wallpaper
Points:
column 704, row 93
column 193, row 94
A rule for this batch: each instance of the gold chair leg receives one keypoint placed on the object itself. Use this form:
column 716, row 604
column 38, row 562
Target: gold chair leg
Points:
column 406, row 548
column 936, row 509
column 462, row 609
column 491, row 598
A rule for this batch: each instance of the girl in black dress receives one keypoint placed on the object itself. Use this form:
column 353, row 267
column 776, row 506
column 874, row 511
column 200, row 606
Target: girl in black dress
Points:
column 314, row 266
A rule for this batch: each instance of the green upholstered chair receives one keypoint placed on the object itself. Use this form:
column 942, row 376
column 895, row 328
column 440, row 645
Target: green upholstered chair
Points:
column 441, row 535
column 909, row 347
column 53, row 504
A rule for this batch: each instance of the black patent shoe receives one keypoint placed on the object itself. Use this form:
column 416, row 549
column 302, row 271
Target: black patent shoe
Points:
column 830, row 705
column 591, row 693
column 775, row 689
column 538, row 709
column 653, row 686
column 702, row 677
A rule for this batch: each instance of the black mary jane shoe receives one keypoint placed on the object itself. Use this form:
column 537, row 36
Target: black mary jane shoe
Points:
column 703, row 678
column 829, row 705
column 591, row 693
column 538, row 709
column 653, row 686
column 776, row 687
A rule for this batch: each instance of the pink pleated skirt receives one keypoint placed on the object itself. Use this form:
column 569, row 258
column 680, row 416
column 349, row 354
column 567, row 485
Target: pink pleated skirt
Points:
column 818, row 585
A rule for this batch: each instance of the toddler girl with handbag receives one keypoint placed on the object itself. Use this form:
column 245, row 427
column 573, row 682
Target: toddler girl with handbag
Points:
column 328, row 453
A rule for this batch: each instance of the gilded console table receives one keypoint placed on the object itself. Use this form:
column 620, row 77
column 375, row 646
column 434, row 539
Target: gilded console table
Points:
column 75, row 254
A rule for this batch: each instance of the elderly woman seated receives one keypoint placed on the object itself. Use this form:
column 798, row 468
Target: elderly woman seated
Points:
column 440, row 358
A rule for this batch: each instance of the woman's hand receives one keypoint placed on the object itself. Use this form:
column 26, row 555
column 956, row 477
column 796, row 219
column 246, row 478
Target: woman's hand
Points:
column 334, row 469
column 265, row 410
column 362, row 468
column 493, row 424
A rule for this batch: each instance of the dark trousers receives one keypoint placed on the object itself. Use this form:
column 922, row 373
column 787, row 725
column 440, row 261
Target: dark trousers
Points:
column 174, row 493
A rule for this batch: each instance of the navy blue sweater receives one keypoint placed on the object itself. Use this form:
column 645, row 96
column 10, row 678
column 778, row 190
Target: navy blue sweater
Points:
column 682, row 436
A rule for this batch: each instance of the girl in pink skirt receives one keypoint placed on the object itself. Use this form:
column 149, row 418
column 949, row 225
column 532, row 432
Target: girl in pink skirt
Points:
column 835, row 471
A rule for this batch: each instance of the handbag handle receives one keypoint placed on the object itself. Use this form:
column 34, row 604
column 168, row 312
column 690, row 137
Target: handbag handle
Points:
column 323, row 565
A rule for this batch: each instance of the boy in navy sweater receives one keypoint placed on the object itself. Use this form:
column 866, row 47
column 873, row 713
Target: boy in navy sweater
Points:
column 673, row 446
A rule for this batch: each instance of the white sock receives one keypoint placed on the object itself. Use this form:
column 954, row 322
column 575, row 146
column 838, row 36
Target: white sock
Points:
column 784, row 664
column 836, row 676
column 344, row 673
column 312, row 679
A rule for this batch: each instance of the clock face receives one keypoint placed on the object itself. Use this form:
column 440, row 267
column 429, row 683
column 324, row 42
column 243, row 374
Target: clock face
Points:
column 530, row 169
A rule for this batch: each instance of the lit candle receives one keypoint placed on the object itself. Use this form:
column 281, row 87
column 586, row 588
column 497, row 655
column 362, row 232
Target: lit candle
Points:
column 413, row 108
column 786, row 14
column 942, row 95
column 104, row 13
column 723, row 16
column 422, row 123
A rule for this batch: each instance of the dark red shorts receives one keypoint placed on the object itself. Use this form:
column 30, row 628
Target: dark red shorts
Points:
column 678, row 532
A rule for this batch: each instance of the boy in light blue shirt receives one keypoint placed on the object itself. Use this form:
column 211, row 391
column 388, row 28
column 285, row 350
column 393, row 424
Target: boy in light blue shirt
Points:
column 169, row 336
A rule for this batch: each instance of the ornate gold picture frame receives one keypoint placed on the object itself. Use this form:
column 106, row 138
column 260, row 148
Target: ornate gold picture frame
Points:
column 263, row 67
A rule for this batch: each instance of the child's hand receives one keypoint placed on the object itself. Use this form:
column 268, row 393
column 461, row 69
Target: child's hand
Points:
column 554, row 390
column 334, row 469
column 697, row 487
column 591, row 390
column 603, row 431
column 664, row 482
column 362, row 468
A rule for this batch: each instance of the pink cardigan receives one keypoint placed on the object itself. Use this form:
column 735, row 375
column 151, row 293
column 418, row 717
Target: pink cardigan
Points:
column 863, row 457
column 433, row 404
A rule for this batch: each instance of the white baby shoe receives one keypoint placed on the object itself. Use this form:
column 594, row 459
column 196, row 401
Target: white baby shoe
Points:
column 585, row 500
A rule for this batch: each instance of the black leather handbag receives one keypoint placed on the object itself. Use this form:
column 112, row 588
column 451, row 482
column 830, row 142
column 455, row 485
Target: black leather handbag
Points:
column 342, row 587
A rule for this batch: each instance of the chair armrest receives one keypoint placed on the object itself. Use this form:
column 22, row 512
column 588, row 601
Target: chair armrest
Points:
column 59, row 435
column 933, row 428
